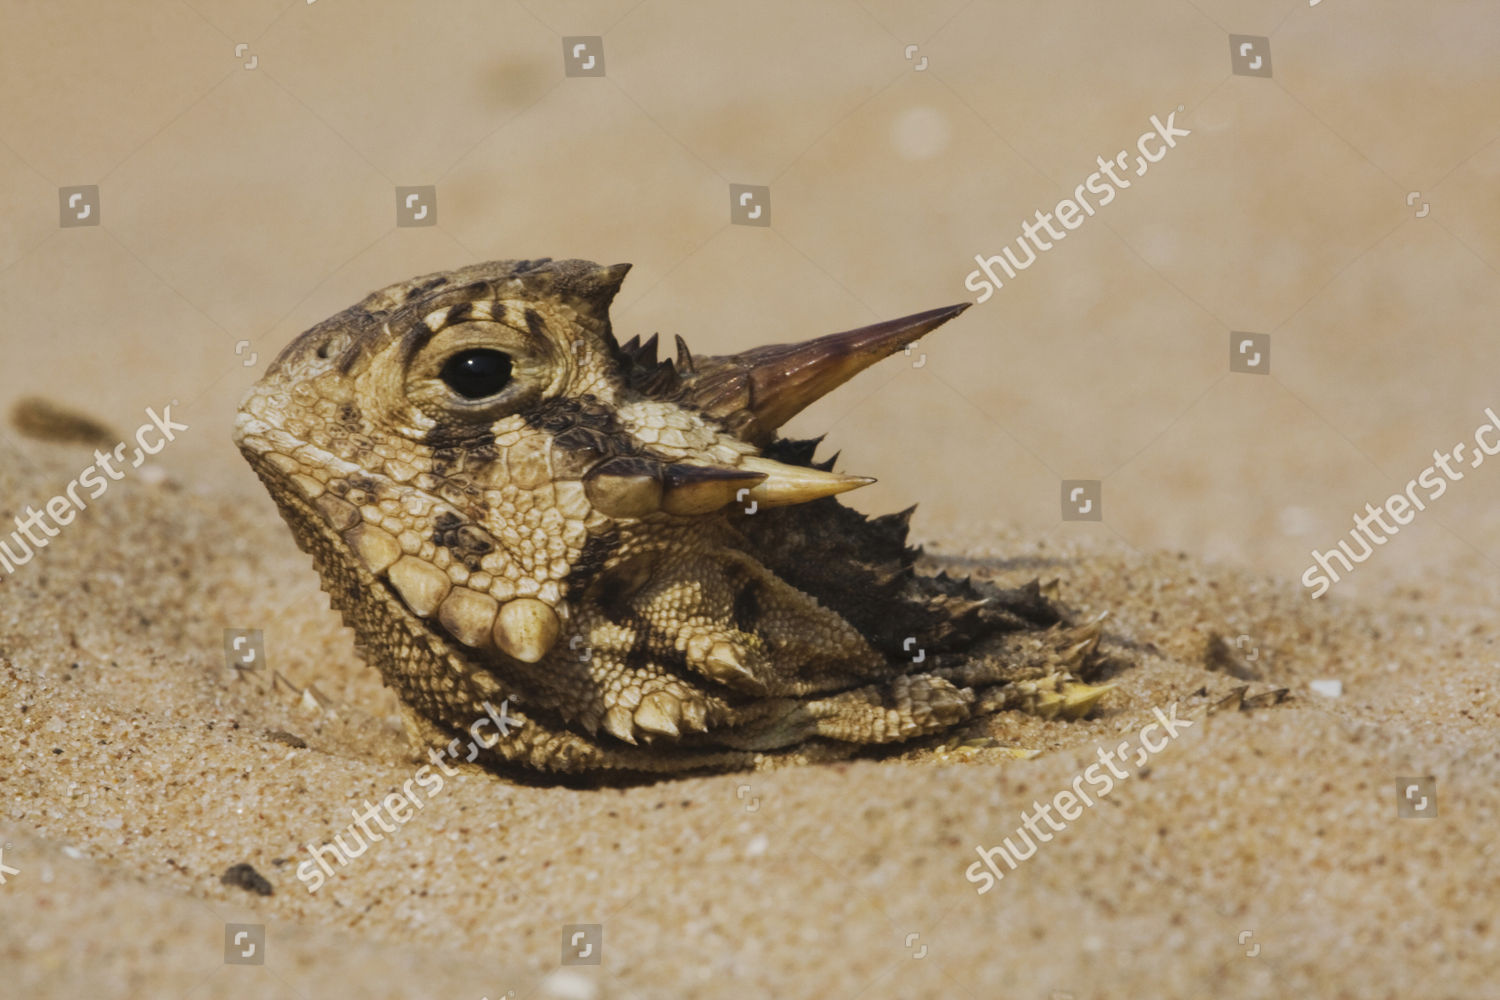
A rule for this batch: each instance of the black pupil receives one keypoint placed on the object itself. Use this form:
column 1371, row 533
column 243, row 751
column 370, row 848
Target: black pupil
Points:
column 477, row 374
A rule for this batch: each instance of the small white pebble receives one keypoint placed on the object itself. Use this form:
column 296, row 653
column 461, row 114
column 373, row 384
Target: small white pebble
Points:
column 1296, row 521
column 565, row 984
column 757, row 845
column 1329, row 689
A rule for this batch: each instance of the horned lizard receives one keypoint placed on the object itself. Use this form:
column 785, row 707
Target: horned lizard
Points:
column 504, row 502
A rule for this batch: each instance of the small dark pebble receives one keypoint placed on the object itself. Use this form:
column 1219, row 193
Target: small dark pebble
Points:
column 290, row 739
column 244, row 876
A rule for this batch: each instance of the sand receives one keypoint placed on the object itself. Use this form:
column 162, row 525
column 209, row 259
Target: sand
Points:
column 1259, row 853
column 1343, row 207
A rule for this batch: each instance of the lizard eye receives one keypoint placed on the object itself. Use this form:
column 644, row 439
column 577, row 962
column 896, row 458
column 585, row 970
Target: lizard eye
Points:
column 477, row 374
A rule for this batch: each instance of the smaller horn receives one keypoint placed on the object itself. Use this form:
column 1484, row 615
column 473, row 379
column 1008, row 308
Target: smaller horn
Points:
column 700, row 489
column 625, row 487
column 788, row 484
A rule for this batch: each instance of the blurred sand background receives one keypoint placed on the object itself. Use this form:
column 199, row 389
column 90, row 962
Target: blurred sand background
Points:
column 238, row 206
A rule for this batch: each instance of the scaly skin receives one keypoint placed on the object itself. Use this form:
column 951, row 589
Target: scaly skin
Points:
column 622, row 548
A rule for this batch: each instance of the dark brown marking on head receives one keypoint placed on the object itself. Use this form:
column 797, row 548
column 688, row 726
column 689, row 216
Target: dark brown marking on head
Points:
column 580, row 423
column 464, row 495
column 464, row 461
column 461, row 436
column 535, row 325
column 418, row 333
column 348, row 360
column 468, row 543
column 348, row 418
column 426, row 287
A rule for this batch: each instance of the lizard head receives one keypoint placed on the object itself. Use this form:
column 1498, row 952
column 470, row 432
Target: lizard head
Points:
column 504, row 500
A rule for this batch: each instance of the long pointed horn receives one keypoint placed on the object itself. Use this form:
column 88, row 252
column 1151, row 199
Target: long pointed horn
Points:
column 788, row 484
column 758, row 390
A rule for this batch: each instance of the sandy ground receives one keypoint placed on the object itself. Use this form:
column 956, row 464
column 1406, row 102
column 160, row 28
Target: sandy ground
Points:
column 1344, row 206
column 139, row 769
